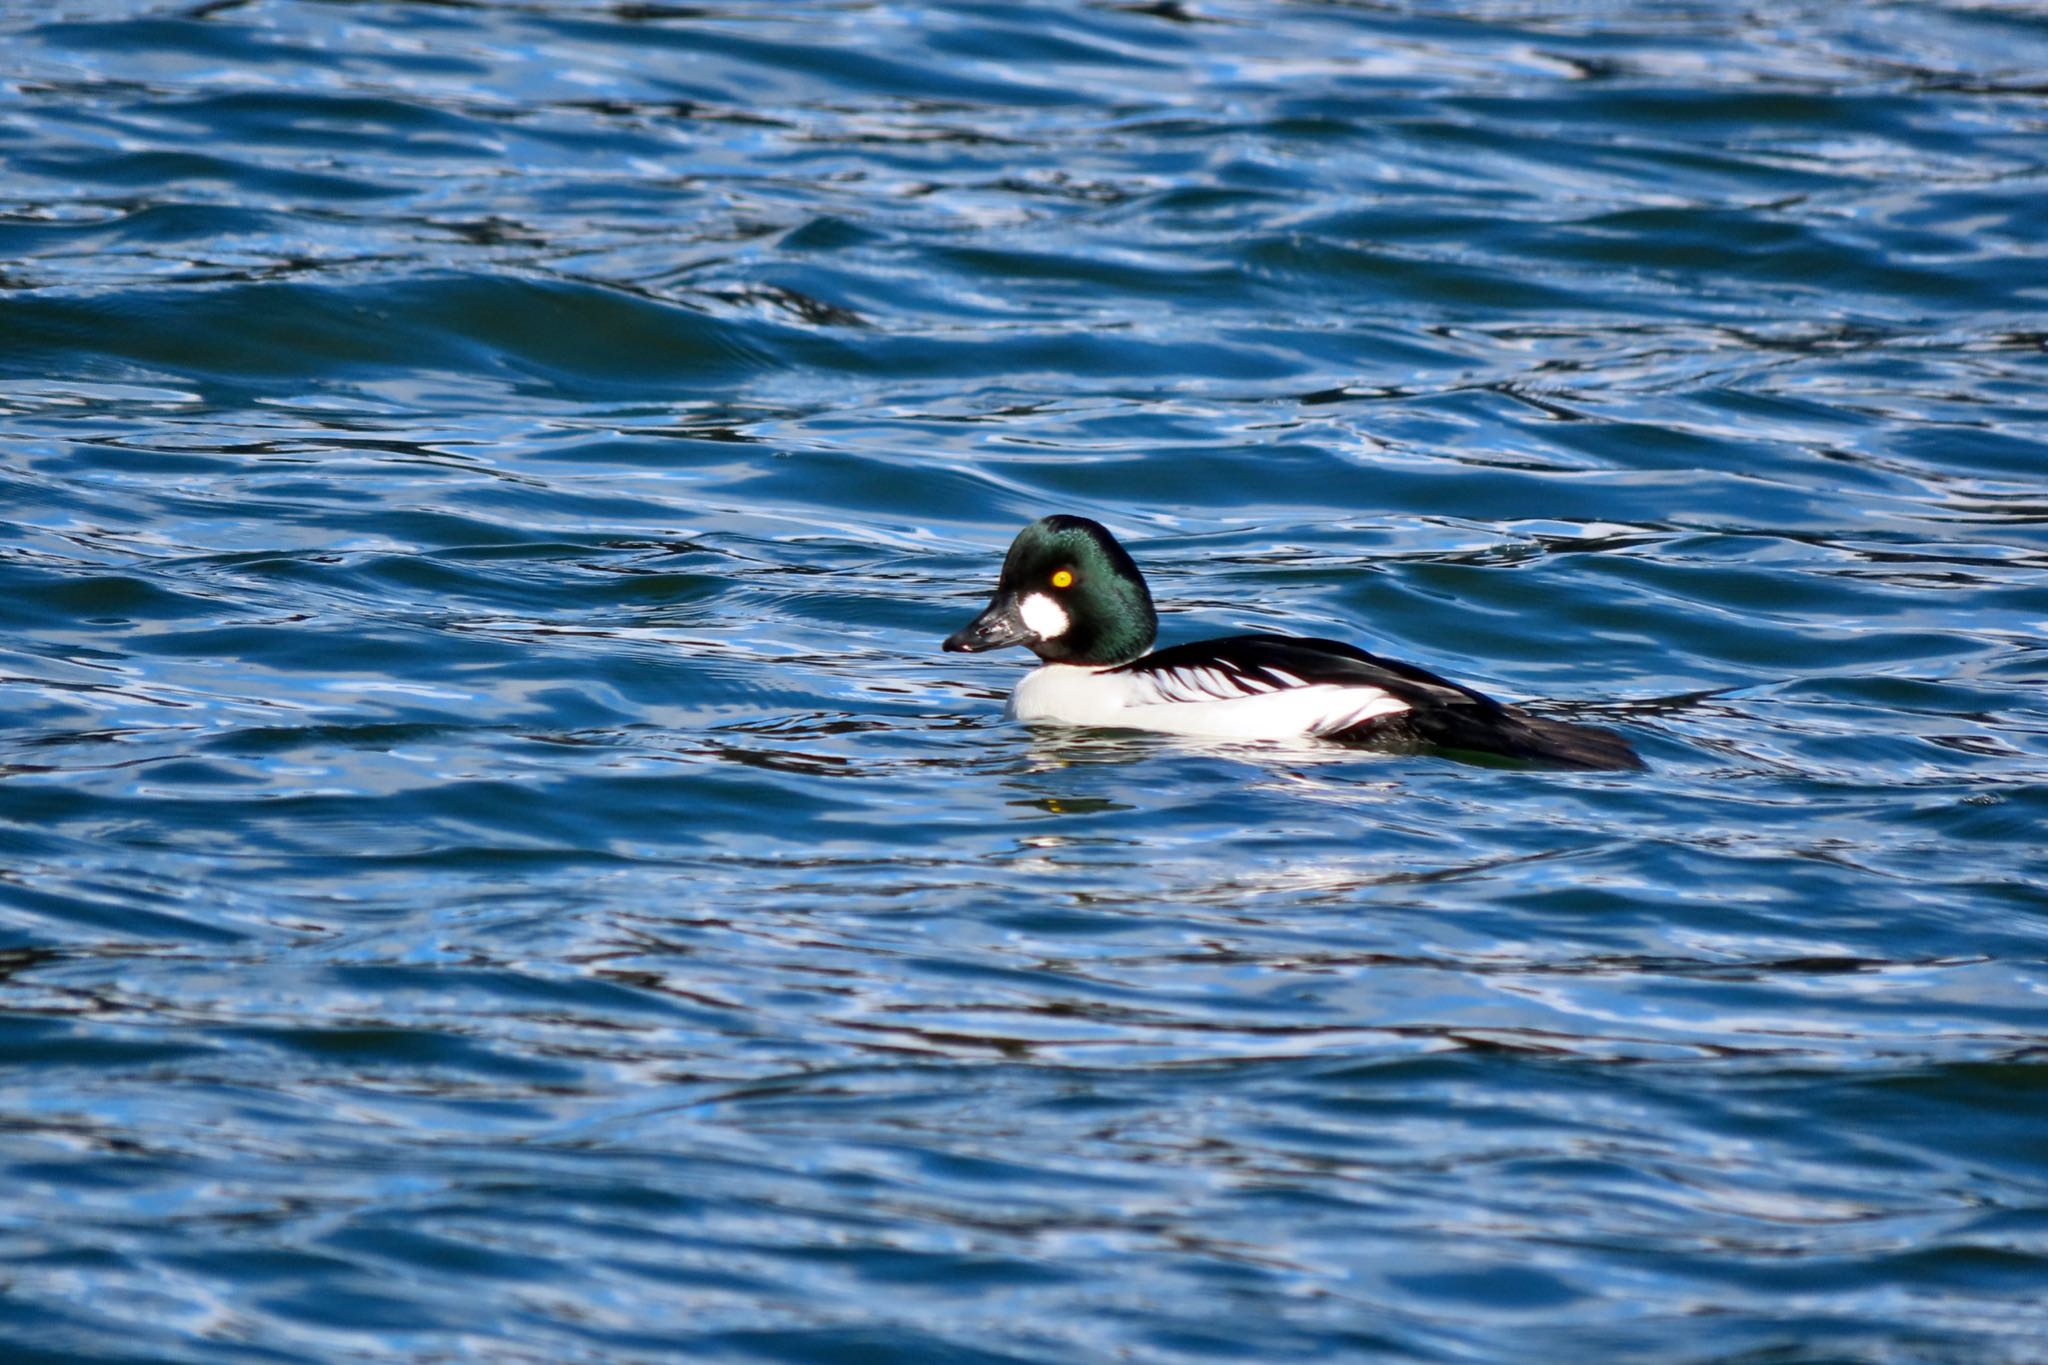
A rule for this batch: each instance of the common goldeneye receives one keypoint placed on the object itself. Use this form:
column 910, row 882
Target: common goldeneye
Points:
column 1072, row 594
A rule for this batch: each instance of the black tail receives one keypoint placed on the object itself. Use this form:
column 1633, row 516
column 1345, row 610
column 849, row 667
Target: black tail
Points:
column 1441, row 714
column 1566, row 745
column 1497, row 731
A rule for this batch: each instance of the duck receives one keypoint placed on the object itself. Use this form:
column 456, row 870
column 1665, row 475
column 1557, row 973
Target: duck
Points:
column 1074, row 597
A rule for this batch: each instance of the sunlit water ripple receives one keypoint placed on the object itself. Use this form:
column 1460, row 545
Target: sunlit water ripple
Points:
column 496, row 866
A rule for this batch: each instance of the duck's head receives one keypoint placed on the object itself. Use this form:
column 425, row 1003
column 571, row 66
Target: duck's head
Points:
column 1071, row 593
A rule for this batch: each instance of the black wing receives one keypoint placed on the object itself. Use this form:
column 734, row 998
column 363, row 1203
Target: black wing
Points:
column 1441, row 714
column 1242, row 665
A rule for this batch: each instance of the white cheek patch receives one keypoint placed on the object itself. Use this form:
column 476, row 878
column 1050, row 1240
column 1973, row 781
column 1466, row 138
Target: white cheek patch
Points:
column 1045, row 617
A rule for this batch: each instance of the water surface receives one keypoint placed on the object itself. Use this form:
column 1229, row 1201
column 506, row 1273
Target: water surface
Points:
column 494, row 865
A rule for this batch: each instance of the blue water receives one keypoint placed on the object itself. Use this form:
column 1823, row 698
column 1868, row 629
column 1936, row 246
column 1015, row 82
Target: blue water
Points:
column 493, row 862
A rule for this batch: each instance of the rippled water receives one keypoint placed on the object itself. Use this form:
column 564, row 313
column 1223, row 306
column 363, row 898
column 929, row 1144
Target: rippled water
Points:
column 496, row 866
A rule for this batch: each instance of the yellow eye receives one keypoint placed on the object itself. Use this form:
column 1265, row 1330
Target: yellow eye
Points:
column 1063, row 578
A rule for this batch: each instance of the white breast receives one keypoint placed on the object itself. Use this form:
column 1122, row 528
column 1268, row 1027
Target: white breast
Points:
column 1201, row 702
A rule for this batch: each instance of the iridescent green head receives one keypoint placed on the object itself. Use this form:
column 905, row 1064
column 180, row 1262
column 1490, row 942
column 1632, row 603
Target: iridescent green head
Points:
column 1070, row 593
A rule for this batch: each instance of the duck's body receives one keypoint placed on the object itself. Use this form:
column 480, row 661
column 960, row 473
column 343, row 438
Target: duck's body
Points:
column 1235, row 688
column 1072, row 594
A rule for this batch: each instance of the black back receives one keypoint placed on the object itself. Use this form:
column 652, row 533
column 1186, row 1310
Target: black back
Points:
column 1441, row 714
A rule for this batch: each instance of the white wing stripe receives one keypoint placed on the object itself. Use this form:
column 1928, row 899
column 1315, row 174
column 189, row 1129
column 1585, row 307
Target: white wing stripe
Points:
column 1201, row 683
column 1180, row 701
column 1327, row 707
